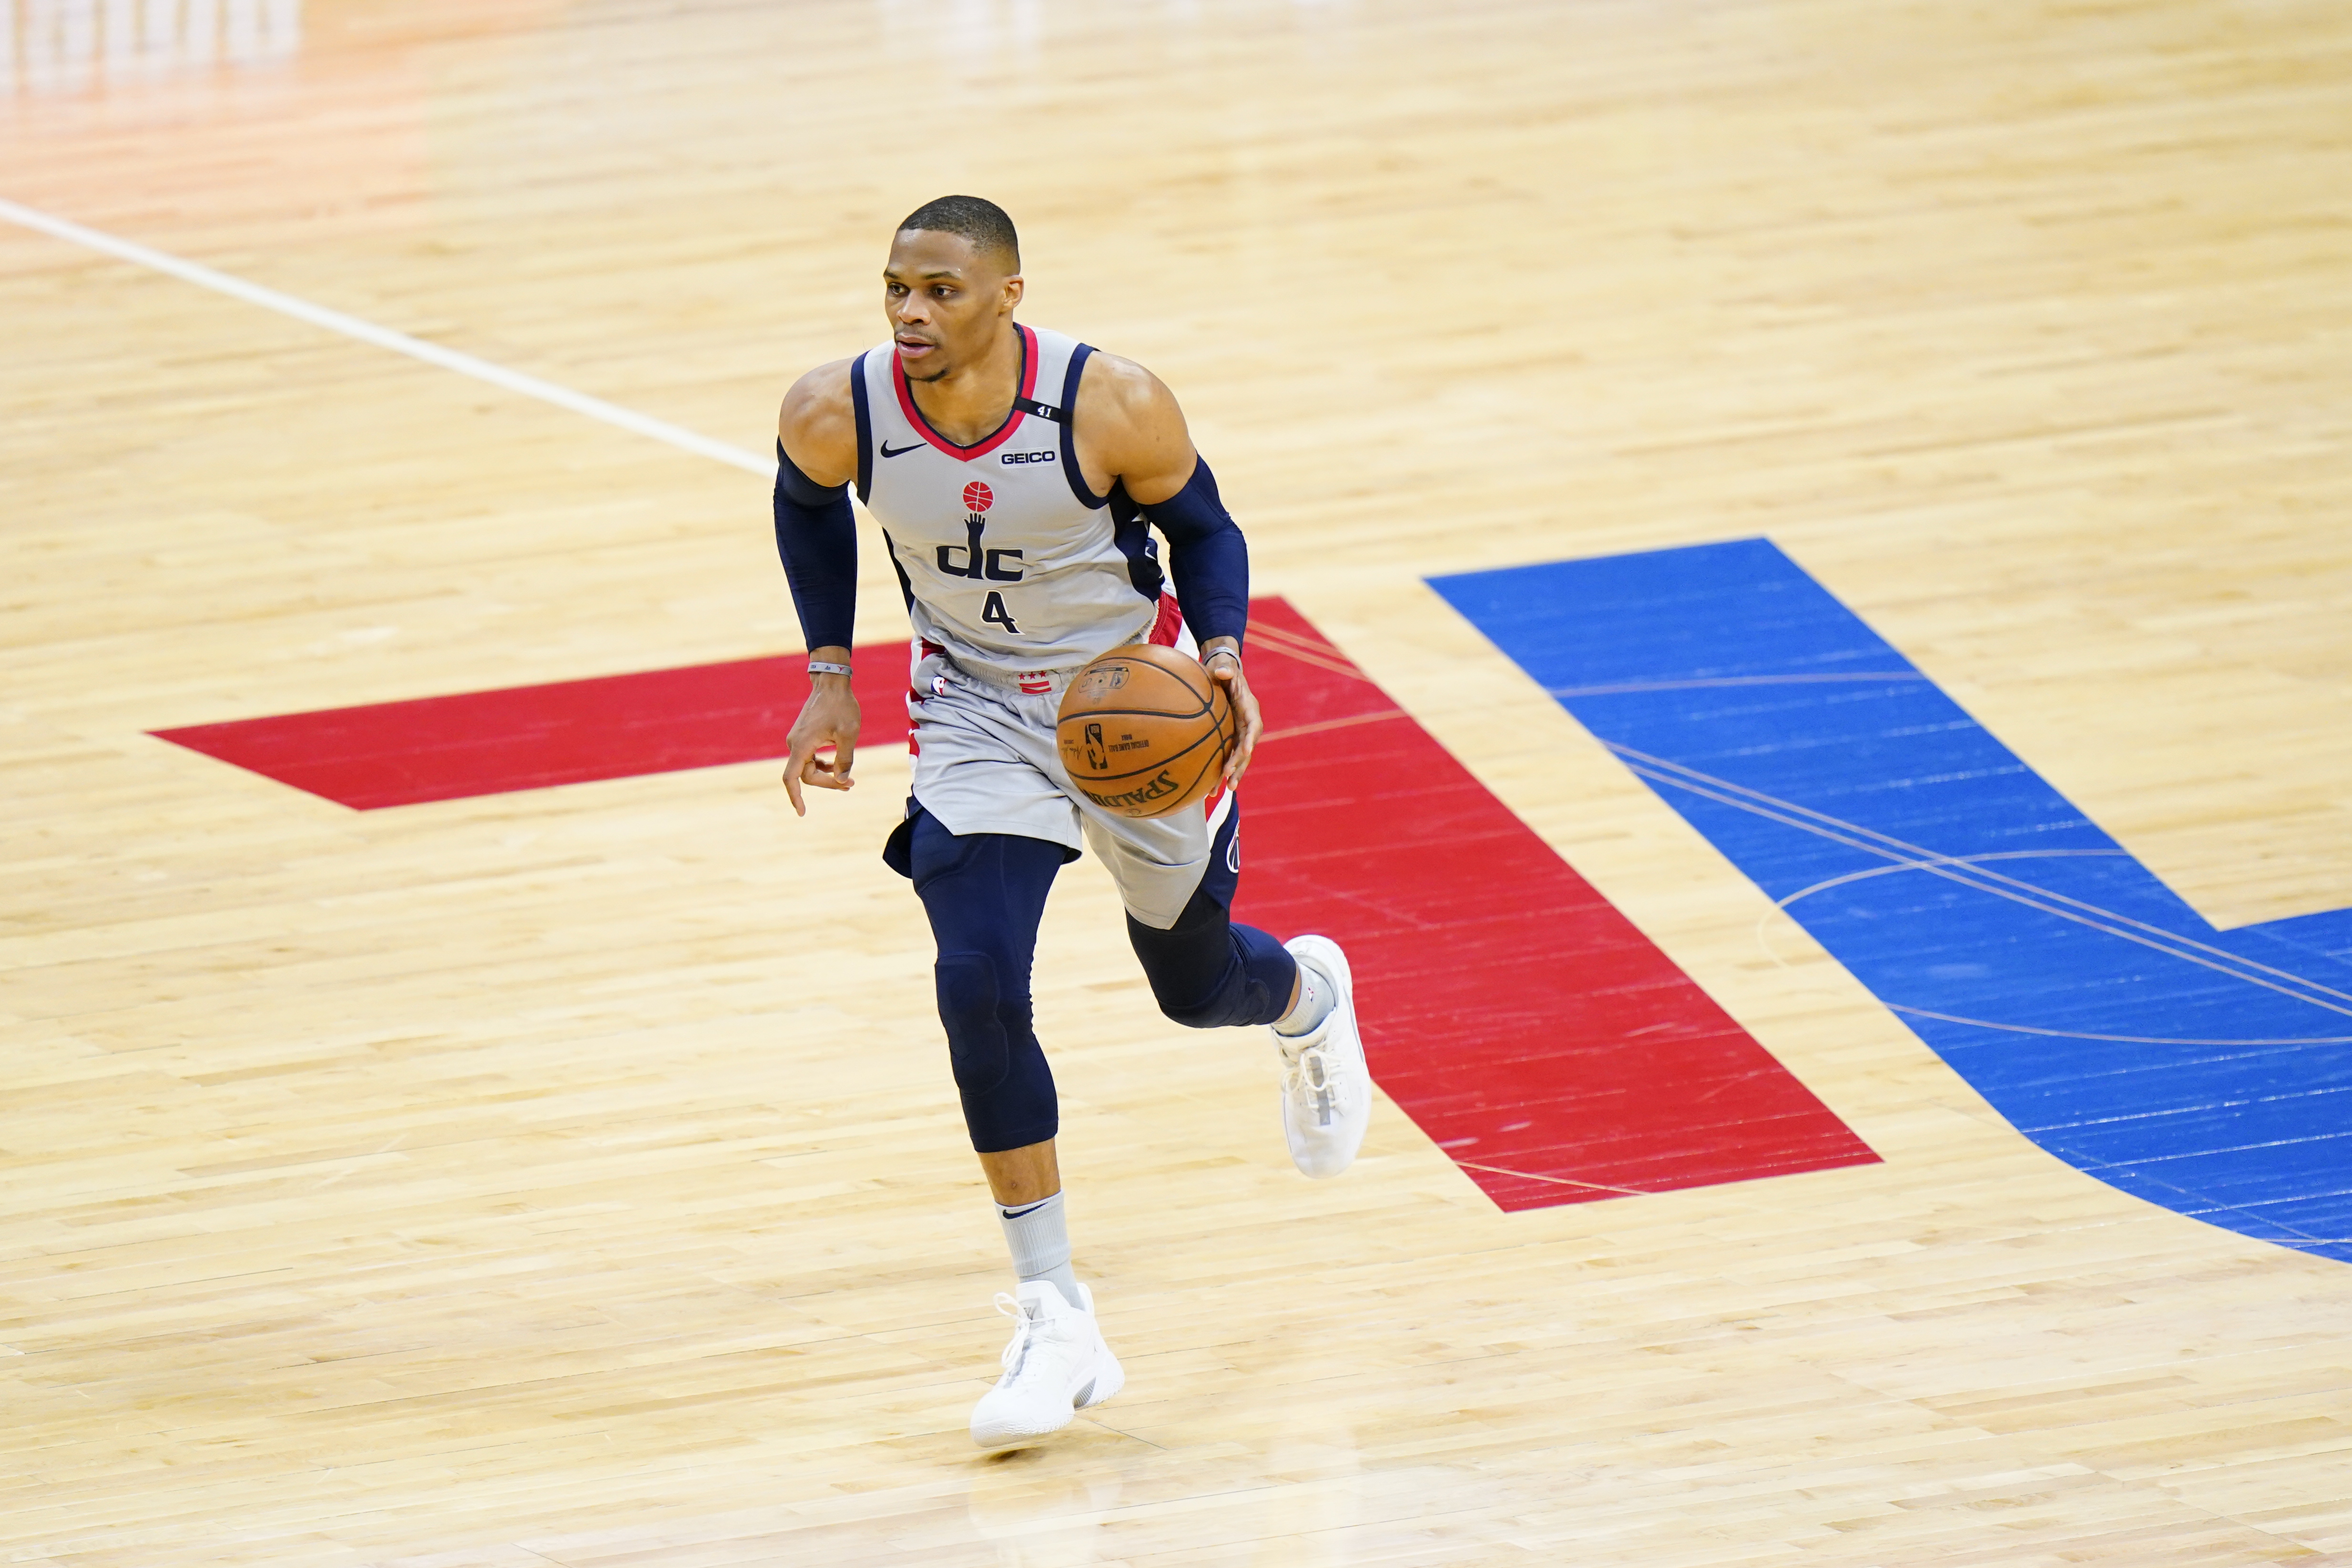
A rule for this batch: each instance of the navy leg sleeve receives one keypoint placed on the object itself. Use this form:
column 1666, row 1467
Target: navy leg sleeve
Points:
column 985, row 894
column 1206, row 971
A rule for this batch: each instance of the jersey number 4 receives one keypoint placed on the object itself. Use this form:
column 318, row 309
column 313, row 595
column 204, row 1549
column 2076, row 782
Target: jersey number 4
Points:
column 994, row 614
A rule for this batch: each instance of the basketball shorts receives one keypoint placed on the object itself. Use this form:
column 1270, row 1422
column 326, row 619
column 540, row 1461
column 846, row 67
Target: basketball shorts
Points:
column 986, row 762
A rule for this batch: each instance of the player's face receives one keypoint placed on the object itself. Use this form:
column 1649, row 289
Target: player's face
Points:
column 946, row 302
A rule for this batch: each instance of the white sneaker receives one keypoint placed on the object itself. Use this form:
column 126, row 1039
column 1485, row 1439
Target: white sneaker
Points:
column 1056, row 1365
column 1327, row 1090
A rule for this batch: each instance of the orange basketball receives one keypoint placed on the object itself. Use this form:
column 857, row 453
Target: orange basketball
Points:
column 1144, row 731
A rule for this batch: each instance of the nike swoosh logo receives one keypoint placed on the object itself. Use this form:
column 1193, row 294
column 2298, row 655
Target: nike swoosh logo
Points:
column 889, row 451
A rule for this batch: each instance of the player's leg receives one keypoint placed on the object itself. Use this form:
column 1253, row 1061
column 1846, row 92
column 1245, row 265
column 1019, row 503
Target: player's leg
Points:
column 985, row 894
column 982, row 847
column 1208, row 970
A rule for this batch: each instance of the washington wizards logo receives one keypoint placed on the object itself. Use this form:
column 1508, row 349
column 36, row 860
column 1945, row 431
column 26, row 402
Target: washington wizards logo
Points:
column 974, row 558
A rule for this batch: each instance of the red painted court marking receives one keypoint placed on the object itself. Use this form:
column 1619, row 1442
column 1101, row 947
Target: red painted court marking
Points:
column 529, row 738
column 1514, row 1014
column 1523, row 1023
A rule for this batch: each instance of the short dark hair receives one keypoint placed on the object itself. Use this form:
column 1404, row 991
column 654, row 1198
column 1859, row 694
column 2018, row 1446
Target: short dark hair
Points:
column 975, row 218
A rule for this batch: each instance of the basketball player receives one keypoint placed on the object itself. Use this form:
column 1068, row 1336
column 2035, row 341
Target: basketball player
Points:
column 1017, row 475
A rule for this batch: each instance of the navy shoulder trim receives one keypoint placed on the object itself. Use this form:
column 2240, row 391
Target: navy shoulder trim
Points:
column 1068, row 422
column 864, row 427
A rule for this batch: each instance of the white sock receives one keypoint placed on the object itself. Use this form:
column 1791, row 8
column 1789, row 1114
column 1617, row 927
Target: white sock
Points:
column 1316, row 997
column 1040, row 1241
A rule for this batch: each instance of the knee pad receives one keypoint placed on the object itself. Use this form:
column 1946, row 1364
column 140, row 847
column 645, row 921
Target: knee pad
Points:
column 978, row 1045
column 1000, row 1069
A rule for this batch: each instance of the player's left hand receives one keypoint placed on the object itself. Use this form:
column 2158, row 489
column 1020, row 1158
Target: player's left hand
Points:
column 1227, row 672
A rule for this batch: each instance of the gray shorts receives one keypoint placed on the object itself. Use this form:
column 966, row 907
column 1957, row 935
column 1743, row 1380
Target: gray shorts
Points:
column 986, row 762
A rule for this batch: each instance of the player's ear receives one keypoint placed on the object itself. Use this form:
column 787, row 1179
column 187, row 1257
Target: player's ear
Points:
column 1012, row 291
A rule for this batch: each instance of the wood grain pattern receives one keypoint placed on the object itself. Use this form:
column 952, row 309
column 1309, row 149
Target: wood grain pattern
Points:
column 575, row 1177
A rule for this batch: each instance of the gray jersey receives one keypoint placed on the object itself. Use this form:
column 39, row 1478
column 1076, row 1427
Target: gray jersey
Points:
column 1012, row 566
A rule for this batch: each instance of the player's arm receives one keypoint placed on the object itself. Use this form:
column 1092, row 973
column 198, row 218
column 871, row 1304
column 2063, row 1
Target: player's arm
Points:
column 1131, row 430
column 816, row 459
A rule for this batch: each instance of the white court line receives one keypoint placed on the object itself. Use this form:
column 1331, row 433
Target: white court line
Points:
column 1940, row 866
column 385, row 338
column 1932, row 861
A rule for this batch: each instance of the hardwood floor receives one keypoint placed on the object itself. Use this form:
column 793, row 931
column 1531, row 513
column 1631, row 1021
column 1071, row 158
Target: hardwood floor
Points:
column 574, row 1176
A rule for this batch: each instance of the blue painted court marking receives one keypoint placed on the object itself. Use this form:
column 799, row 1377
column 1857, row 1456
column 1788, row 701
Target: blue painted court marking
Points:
column 2207, row 1071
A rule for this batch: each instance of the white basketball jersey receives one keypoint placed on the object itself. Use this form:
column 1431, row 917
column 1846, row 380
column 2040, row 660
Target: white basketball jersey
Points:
column 1009, row 564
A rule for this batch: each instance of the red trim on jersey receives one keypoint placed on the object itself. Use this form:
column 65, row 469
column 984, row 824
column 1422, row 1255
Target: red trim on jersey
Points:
column 918, row 649
column 1170, row 624
column 1003, row 432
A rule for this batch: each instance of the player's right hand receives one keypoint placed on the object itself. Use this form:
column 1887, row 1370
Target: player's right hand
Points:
column 828, row 719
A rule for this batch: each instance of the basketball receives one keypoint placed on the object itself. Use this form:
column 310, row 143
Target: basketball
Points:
column 1144, row 731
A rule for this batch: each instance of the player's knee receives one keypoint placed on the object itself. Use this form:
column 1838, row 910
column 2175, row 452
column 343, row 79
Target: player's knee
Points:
column 1219, row 1010
column 979, row 1045
column 1192, row 972
column 1000, row 1069
column 1229, row 999
column 1208, row 971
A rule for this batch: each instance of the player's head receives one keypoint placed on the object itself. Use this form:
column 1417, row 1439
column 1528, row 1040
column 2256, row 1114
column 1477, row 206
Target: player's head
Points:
column 953, row 278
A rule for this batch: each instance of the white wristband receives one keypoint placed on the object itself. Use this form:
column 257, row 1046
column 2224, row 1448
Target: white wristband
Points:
column 819, row 667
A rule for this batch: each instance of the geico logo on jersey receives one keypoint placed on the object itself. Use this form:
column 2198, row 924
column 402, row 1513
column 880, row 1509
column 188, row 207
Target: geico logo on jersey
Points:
column 1020, row 457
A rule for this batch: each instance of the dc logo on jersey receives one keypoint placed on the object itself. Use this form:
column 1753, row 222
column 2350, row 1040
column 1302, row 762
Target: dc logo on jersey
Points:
column 978, row 498
column 979, row 560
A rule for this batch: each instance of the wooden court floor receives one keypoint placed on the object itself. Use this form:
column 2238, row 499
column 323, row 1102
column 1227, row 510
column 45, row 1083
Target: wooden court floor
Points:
column 573, row 1176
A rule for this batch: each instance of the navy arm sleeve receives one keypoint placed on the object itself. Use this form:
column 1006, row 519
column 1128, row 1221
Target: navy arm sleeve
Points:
column 817, row 539
column 1206, row 555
